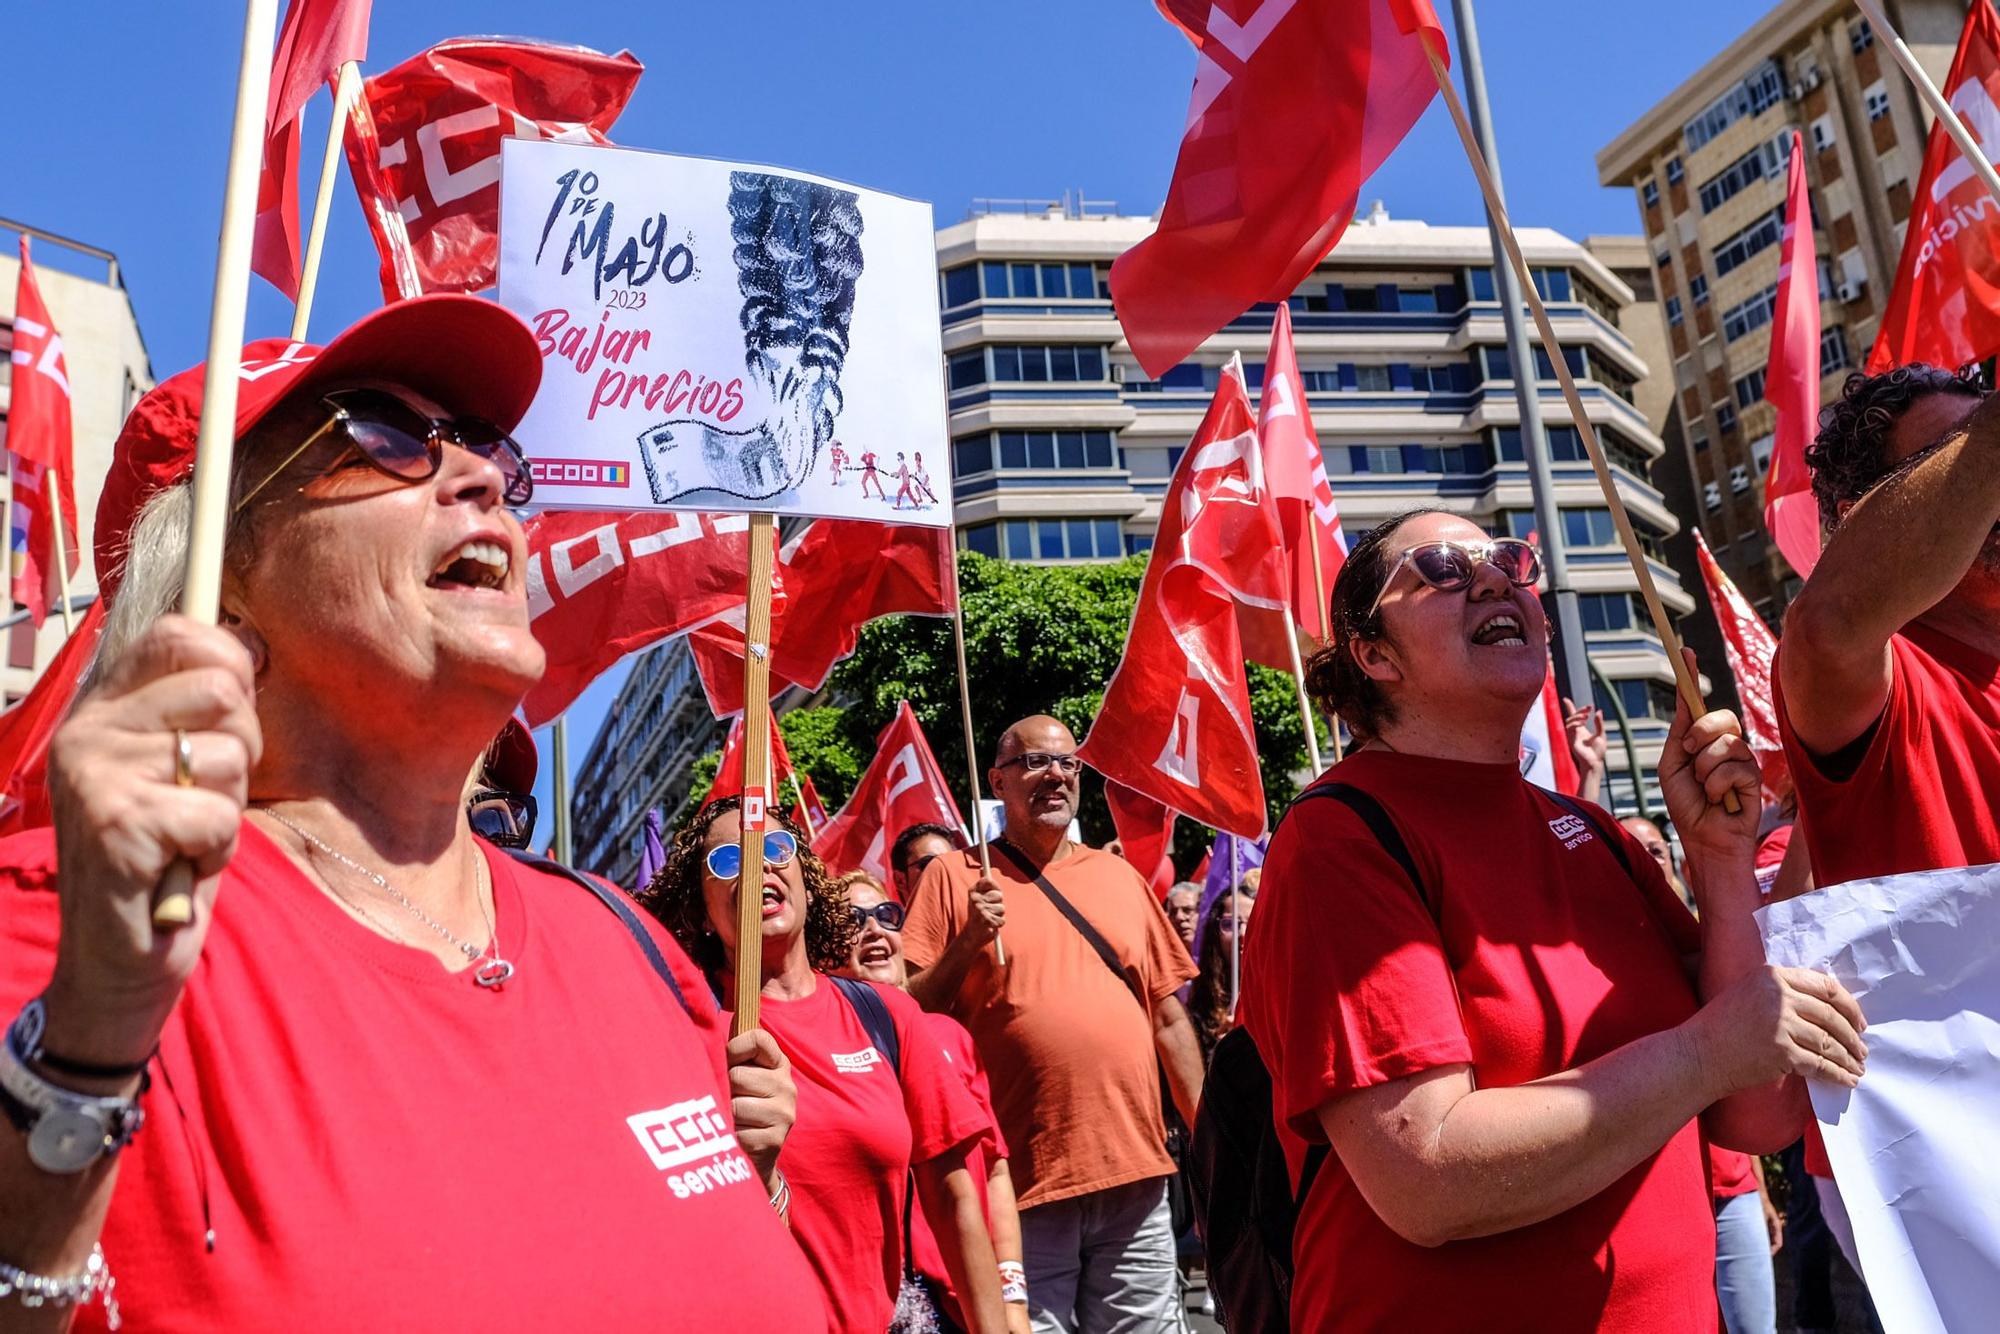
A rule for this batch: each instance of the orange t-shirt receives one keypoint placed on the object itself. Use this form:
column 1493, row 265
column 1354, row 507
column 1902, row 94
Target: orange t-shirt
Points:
column 1076, row 1080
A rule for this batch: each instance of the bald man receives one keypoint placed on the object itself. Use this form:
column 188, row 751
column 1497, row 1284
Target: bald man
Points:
column 1074, row 1049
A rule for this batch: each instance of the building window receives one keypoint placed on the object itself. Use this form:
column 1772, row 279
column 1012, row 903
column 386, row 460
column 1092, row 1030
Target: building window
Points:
column 1698, row 438
column 1725, row 417
column 1033, row 364
column 1861, row 36
column 1762, row 89
column 1754, row 313
column 961, row 286
column 1674, row 172
column 1750, row 388
column 967, row 369
column 972, row 455
column 1641, row 699
column 1072, row 451
column 1455, row 378
column 1673, row 310
column 1025, row 281
column 1422, row 300
column 1765, row 160
column 1876, row 97
column 1832, row 349
column 1823, row 136
column 1372, row 379
column 1760, row 453
column 1698, row 288
column 1480, row 281
column 1048, row 539
column 1739, row 479
column 1609, row 611
column 1378, row 458
column 1711, row 495
column 1750, row 241
column 1649, row 193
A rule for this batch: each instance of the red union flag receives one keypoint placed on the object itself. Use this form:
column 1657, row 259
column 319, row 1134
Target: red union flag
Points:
column 1945, row 308
column 424, row 147
column 835, row 577
column 1295, row 104
column 1791, row 381
column 903, row 786
column 30, row 724
column 1750, row 647
column 1295, row 472
column 1175, row 723
column 1145, row 833
column 319, row 36
column 729, row 774
column 601, row 586
column 39, row 438
column 809, row 812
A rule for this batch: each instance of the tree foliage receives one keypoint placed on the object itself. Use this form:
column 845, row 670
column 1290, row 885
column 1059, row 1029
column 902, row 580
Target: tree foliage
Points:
column 1039, row 639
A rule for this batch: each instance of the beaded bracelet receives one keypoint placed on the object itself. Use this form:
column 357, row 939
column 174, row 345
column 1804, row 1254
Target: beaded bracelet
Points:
column 36, row 1290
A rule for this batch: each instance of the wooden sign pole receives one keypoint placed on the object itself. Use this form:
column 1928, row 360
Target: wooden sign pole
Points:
column 1690, row 689
column 215, row 443
column 756, row 773
column 61, row 546
column 346, row 87
column 971, row 751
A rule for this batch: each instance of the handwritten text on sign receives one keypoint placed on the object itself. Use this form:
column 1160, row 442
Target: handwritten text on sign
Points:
column 724, row 338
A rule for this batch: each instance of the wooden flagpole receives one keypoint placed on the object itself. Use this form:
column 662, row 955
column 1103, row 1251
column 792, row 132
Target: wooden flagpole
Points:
column 1690, row 689
column 1933, row 98
column 756, row 772
column 805, row 811
column 1235, row 920
column 61, row 549
column 1326, row 619
column 971, row 752
column 346, row 87
column 215, row 444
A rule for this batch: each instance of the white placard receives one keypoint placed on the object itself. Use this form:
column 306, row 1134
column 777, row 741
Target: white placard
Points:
column 1912, row 1146
column 724, row 337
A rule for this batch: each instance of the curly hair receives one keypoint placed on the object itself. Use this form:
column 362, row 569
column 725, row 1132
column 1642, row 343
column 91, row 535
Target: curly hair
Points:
column 1334, row 677
column 1851, row 452
column 675, row 898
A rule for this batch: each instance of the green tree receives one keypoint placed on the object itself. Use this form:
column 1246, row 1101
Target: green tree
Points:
column 818, row 743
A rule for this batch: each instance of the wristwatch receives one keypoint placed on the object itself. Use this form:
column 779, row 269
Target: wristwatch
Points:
column 67, row 1131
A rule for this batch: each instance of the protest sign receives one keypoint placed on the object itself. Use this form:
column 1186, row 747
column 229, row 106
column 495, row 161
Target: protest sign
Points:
column 1912, row 1145
column 724, row 337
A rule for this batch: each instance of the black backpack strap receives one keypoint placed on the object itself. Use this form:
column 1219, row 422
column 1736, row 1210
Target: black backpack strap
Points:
column 1090, row 934
column 620, row 908
column 1588, row 812
column 875, row 1019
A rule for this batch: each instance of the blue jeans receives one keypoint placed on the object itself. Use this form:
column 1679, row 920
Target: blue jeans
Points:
column 1744, row 1281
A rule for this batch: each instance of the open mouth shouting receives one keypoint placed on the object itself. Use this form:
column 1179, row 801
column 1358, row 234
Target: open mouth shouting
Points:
column 480, row 563
column 1502, row 629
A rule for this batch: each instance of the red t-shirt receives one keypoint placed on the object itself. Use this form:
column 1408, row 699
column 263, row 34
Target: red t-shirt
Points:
column 1545, row 955
column 1729, row 1173
column 381, row 1144
column 1920, row 796
column 859, row 1129
column 926, row 1257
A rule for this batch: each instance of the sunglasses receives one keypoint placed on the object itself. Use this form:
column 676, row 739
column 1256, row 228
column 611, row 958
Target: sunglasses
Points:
column 1450, row 566
column 725, row 862
column 408, row 445
column 889, row 916
column 1035, row 761
column 504, row 819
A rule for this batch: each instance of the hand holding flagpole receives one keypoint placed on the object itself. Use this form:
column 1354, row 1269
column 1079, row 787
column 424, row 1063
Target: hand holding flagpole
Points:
column 215, row 444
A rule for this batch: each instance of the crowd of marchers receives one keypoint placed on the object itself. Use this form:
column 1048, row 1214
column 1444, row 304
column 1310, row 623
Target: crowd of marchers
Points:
column 1522, row 1059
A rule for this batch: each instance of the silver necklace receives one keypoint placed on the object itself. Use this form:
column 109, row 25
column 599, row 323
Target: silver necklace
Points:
column 490, row 970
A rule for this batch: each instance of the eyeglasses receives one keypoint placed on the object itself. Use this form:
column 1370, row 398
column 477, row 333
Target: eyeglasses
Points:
column 1035, row 761
column 408, row 445
column 504, row 819
column 889, row 916
column 1449, row 566
column 916, row 868
column 725, row 862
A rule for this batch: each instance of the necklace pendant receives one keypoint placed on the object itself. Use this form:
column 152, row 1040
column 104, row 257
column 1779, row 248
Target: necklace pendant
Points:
column 493, row 974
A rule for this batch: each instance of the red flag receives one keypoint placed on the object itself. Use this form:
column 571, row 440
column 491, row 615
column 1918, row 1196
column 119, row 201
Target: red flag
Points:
column 1145, row 832
column 836, row 576
column 1295, row 472
column 1750, row 647
column 40, row 438
column 319, row 37
column 1175, row 722
column 1945, row 308
column 1545, row 756
column 809, row 812
column 26, row 728
column 729, row 774
column 903, row 786
column 423, row 147
column 1295, row 104
column 601, row 586
column 1791, row 382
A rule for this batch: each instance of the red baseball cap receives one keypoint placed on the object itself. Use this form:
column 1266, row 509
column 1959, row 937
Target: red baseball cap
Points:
column 470, row 354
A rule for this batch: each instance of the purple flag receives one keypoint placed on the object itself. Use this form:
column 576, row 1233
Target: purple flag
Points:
column 654, row 855
column 1223, row 874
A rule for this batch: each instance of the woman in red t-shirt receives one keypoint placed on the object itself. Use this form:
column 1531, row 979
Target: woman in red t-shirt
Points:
column 1506, row 1057
column 868, row 1121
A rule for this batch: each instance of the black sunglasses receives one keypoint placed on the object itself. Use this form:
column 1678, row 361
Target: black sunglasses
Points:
column 888, row 915
column 408, row 445
column 504, row 819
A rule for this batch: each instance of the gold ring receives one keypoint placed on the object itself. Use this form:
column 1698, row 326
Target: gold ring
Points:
column 183, row 759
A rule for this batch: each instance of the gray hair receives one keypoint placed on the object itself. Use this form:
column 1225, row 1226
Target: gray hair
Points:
column 155, row 573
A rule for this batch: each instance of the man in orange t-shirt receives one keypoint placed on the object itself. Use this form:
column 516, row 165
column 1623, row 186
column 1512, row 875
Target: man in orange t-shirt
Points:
column 1073, row 1049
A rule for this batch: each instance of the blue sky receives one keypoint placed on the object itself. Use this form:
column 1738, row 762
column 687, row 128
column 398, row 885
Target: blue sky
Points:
column 120, row 128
